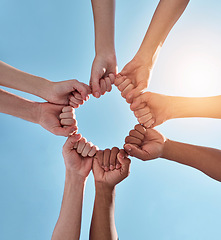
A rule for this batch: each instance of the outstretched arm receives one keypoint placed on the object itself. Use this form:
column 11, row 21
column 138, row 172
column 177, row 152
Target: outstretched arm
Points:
column 103, row 222
column 154, row 109
column 138, row 71
column 55, row 92
column 78, row 167
column 148, row 144
column 104, row 65
column 57, row 119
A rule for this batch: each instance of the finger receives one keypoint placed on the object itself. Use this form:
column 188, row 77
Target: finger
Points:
column 141, row 112
column 68, row 122
column 67, row 115
column 106, row 160
column 150, row 123
column 113, row 158
column 122, row 154
column 128, row 89
column 124, row 161
column 133, row 140
column 77, row 95
column 103, row 86
column 136, row 91
column 93, row 151
column 69, row 144
column 99, row 158
column 136, row 134
column 124, row 84
column 140, row 129
column 83, row 89
column 73, row 105
column 119, row 80
column 108, row 84
column 86, row 149
column 137, row 102
column 64, row 131
column 81, row 144
column 145, row 118
column 67, row 109
column 135, row 151
column 75, row 100
column 112, row 78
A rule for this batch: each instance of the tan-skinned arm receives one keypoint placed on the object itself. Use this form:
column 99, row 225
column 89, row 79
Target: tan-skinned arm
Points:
column 103, row 221
column 138, row 71
column 104, row 66
column 148, row 144
column 152, row 109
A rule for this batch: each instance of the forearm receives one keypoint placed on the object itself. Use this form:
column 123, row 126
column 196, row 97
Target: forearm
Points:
column 196, row 107
column 19, row 107
column 103, row 223
column 16, row 79
column 104, row 21
column 166, row 15
column 207, row 160
column 68, row 225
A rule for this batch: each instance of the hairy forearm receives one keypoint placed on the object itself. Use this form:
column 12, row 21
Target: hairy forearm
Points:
column 19, row 107
column 196, row 107
column 69, row 222
column 103, row 223
column 16, row 79
column 166, row 15
column 207, row 160
column 104, row 20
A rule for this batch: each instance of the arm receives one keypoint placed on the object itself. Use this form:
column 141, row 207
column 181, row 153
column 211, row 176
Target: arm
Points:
column 154, row 109
column 104, row 66
column 138, row 70
column 148, row 144
column 77, row 169
column 55, row 92
column 103, row 222
column 45, row 114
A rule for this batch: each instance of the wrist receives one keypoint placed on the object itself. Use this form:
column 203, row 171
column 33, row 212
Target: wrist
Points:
column 44, row 88
column 75, row 178
column 166, row 149
column 104, row 188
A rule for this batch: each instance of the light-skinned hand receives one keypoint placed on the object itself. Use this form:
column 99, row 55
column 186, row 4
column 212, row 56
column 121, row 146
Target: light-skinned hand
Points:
column 78, row 153
column 152, row 109
column 107, row 158
column 134, row 79
column 57, row 119
column 145, row 144
column 70, row 92
column 103, row 71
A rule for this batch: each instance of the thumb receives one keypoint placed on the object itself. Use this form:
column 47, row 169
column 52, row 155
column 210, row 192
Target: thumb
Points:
column 135, row 151
column 136, row 91
column 82, row 89
column 69, row 144
column 64, row 131
column 138, row 102
column 124, row 161
column 94, row 82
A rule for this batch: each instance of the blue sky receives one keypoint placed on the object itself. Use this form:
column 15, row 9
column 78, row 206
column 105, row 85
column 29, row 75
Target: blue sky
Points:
column 160, row 199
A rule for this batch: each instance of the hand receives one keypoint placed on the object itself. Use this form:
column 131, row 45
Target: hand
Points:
column 152, row 109
column 103, row 71
column 133, row 79
column 106, row 158
column 78, row 153
column 70, row 92
column 145, row 144
column 57, row 119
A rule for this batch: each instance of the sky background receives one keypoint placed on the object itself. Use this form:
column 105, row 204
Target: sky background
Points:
column 160, row 200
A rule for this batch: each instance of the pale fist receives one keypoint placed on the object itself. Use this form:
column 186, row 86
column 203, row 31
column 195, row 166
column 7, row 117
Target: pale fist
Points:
column 145, row 144
column 57, row 119
column 110, row 166
column 103, row 71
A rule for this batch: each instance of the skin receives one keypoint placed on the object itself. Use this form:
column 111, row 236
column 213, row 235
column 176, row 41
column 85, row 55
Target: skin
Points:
column 103, row 222
column 138, row 70
column 55, row 92
column 104, row 67
column 153, row 145
column 162, row 108
column 57, row 119
column 77, row 170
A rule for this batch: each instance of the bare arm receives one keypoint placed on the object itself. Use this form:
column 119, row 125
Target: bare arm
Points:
column 104, row 65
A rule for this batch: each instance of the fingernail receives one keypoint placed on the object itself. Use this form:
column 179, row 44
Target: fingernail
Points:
column 128, row 148
column 111, row 167
column 97, row 94
column 118, row 166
